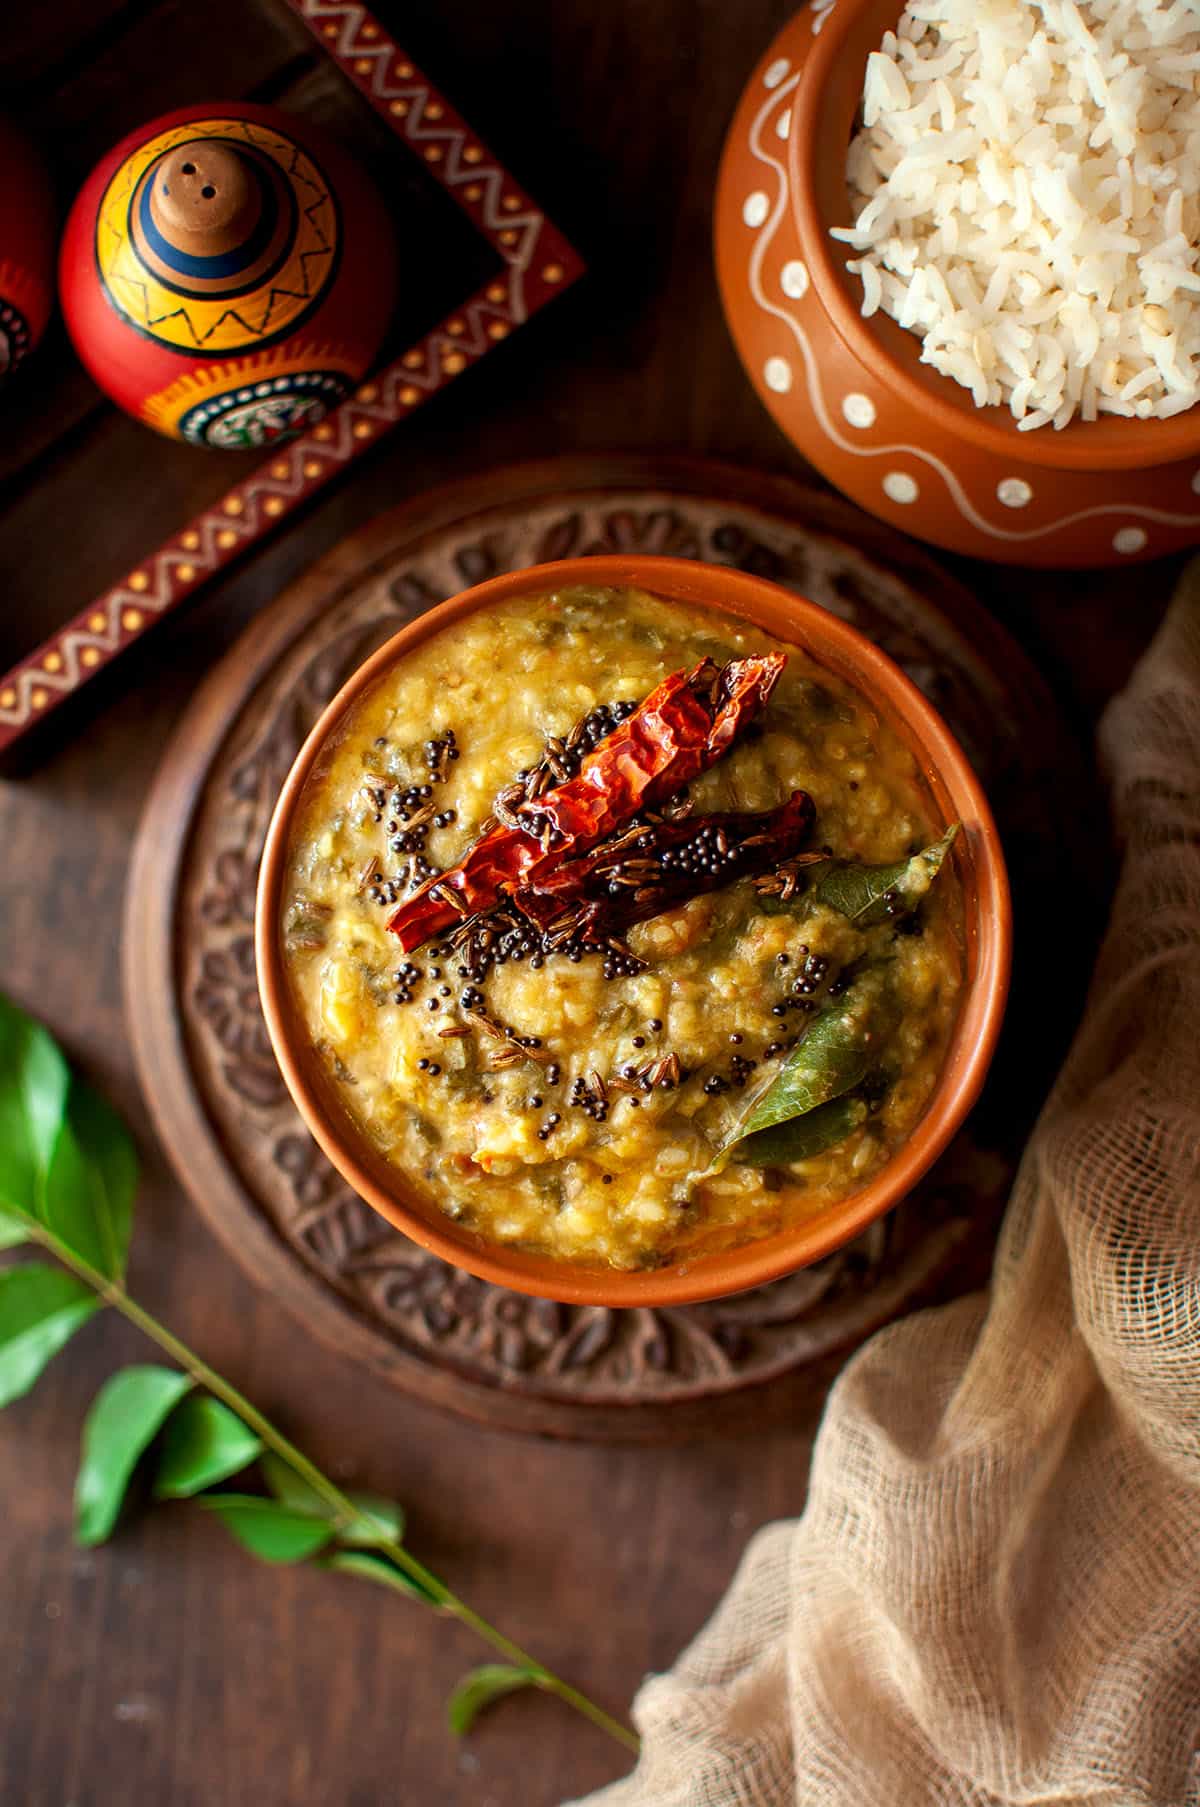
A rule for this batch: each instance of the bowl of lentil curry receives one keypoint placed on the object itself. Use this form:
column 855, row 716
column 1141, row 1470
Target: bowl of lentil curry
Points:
column 631, row 931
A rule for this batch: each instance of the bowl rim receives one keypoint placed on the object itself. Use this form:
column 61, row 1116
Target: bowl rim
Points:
column 1115, row 443
column 828, row 639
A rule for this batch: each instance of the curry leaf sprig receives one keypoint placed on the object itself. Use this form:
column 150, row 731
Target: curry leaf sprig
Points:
column 816, row 1098
column 68, row 1176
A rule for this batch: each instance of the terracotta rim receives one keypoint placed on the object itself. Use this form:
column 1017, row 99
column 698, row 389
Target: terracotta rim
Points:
column 1119, row 444
column 957, row 794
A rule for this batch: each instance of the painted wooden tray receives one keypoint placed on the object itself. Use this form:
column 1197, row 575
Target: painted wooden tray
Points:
column 534, row 264
column 217, row 1097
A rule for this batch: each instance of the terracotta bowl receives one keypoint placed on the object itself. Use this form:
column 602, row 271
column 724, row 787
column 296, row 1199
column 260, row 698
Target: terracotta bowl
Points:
column 898, row 437
column 979, row 862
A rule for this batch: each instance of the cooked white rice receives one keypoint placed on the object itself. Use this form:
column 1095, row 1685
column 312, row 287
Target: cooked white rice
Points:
column 1027, row 179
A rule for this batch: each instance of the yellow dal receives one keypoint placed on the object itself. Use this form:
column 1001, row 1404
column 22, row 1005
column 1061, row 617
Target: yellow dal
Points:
column 503, row 681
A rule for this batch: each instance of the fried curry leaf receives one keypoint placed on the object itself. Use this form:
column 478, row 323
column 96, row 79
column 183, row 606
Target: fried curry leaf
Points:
column 867, row 895
column 802, row 1137
column 840, row 1048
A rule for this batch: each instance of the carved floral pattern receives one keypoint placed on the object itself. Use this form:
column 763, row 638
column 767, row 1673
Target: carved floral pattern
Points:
column 226, row 997
column 231, row 898
column 663, row 532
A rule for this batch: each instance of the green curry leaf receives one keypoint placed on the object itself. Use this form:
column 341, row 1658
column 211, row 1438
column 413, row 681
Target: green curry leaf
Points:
column 127, row 1414
column 204, row 1443
column 802, row 1137
column 481, row 1687
column 91, row 1182
column 270, row 1531
column 290, row 1489
column 66, row 1159
column 369, row 1567
column 840, row 1048
column 41, row 1308
column 379, row 1519
column 34, row 1080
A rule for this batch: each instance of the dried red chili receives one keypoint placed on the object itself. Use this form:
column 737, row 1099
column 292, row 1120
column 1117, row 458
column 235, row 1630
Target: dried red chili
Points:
column 652, row 869
column 684, row 726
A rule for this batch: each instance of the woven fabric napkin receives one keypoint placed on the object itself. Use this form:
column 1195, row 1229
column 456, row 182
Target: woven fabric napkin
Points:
column 993, row 1595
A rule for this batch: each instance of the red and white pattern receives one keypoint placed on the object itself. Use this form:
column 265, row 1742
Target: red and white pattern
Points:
column 538, row 263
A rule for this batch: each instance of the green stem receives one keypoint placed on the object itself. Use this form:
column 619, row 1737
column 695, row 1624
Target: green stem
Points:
column 343, row 1508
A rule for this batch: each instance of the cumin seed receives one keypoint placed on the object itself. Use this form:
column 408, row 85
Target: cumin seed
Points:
column 445, row 894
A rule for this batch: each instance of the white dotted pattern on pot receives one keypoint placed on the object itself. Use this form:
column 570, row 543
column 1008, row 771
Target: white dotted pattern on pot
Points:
column 858, row 409
column 793, row 280
column 899, row 486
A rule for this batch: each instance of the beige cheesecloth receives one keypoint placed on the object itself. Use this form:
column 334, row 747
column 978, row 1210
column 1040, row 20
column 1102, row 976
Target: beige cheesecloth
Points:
column 993, row 1595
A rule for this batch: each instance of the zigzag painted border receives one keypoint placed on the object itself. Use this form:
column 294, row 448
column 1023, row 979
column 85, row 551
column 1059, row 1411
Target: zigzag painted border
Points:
column 538, row 263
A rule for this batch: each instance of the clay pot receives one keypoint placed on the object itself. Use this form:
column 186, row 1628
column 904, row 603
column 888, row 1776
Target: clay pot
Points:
column 979, row 861
column 227, row 274
column 902, row 440
column 27, row 233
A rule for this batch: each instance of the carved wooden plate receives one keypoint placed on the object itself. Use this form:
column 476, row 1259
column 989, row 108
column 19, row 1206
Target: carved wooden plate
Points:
column 216, row 1094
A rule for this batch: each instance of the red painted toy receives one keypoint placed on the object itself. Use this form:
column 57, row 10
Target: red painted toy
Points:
column 26, row 250
column 227, row 274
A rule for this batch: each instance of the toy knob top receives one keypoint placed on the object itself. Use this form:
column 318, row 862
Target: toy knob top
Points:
column 213, row 219
column 205, row 200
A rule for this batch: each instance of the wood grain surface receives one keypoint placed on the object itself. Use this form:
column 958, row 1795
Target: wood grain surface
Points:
column 167, row 1670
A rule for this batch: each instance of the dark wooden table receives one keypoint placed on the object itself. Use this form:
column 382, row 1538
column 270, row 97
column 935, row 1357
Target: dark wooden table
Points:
column 166, row 1668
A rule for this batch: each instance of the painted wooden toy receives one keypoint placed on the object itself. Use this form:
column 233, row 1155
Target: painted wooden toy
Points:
column 27, row 233
column 227, row 274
